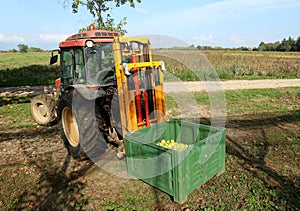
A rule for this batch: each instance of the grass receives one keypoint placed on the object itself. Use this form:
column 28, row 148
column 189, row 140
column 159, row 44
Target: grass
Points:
column 262, row 162
column 248, row 102
column 262, row 100
column 19, row 60
column 32, row 75
column 15, row 116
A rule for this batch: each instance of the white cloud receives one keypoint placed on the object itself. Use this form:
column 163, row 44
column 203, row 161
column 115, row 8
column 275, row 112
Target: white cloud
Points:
column 263, row 6
column 237, row 40
column 11, row 38
column 204, row 38
column 53, row 37
column 228, row 11
column 141, row 10
column 164, row 41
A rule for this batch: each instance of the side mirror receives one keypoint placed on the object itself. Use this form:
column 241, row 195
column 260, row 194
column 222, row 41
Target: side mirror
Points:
column 53, row 59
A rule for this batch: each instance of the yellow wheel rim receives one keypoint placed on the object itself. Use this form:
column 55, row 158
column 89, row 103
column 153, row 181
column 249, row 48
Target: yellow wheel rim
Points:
column 70, row 127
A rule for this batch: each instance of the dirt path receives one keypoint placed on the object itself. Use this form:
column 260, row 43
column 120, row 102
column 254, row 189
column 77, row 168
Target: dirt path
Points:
column 198, row 86
column 195, row 86
column 23, row 91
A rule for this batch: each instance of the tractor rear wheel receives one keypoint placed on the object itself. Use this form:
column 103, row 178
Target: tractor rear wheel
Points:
column 42, row 109
column 68, row 125
column 79, row 129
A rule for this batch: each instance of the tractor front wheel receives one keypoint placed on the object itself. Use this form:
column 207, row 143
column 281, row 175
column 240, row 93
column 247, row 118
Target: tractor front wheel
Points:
column 42, row 109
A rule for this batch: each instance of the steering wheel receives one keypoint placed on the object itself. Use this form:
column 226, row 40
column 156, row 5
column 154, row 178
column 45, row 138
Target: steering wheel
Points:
column 105, row 76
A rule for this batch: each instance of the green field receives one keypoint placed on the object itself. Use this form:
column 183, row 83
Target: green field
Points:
column 21, row 69
column 19, row 60
column 18, row 69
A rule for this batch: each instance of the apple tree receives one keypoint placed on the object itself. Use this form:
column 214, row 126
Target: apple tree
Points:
column 98, row 8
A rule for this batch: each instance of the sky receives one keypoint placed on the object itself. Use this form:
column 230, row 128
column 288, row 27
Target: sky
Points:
column 225, row 23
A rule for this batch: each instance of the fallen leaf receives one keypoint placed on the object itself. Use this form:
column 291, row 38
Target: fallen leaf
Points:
column 31, row 206
column 119, row 200
column 274, row 182
column 39, row 164
column 184, row 208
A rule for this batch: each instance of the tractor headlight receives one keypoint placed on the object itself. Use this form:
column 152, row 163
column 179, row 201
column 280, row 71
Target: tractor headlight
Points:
column 89, row 43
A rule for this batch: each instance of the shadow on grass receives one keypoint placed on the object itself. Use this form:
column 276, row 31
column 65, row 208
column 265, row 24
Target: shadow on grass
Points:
column 59, row 178
column 255, row 153
column 28, row 134
column 13, row 100
column 57, row 189
column 32, row 75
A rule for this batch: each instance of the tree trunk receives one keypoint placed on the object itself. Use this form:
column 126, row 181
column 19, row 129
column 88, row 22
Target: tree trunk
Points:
column 99, row 15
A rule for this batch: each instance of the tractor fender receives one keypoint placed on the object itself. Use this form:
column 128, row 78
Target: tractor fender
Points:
column 89, row 92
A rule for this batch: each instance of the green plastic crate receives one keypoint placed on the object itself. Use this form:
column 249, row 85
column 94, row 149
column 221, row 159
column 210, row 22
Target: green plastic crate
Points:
column 177, row 173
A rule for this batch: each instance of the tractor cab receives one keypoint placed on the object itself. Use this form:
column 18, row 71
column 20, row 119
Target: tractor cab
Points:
column 87, row 58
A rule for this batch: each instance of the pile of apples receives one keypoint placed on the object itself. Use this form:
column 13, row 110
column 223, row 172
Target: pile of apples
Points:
column 171, row 144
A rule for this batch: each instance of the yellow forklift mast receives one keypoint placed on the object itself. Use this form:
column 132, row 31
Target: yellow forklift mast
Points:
column 139, row 83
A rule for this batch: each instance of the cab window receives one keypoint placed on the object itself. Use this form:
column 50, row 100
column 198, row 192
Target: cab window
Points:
column 100, row 65
column 80, row 76
column 67, row 64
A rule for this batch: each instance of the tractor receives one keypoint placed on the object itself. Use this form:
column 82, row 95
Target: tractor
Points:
column 108, row 86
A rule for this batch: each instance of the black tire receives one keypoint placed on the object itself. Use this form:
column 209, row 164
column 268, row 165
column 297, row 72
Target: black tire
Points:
column 116, row 115
column 84, row 140
column 42, row 109
column 71, row 141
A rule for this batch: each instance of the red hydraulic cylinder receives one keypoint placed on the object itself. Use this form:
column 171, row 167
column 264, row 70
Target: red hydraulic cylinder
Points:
column 137, row 89
column 146, row 108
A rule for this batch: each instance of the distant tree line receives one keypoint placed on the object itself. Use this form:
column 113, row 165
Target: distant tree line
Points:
column 286, row 45
column 24, row 49
column 242, row 48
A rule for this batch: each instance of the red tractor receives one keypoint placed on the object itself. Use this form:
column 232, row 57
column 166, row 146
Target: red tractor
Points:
column 108, row 86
